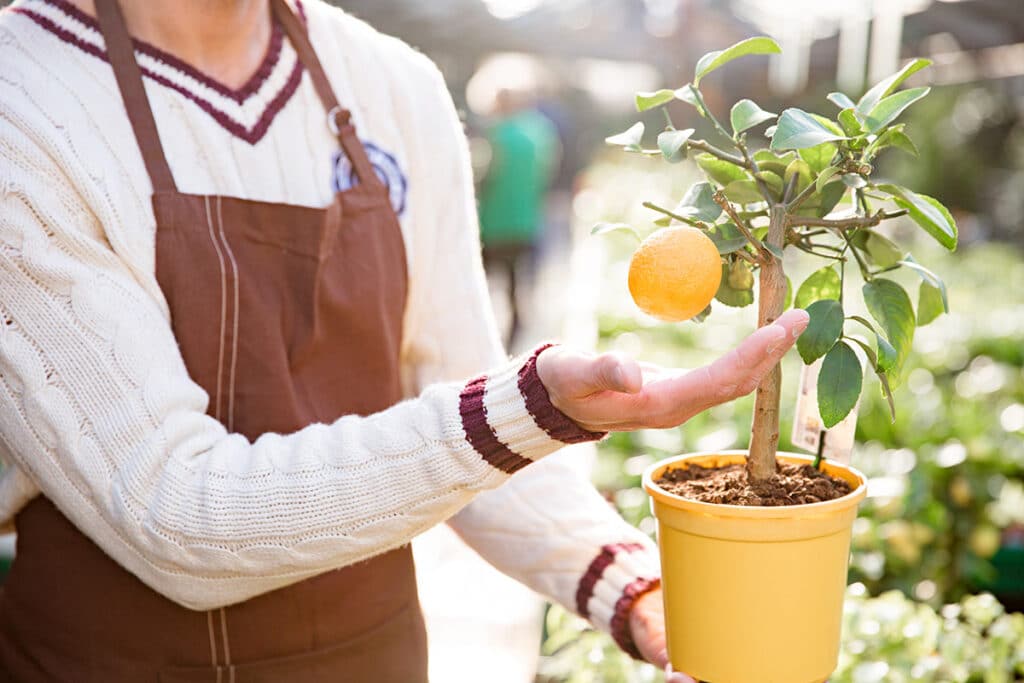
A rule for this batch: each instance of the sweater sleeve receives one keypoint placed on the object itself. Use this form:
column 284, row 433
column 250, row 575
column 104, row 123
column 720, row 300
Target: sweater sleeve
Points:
column 547, row 527
column 98, row 409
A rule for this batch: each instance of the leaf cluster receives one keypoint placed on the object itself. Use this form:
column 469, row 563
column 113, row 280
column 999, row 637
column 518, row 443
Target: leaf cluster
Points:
column 820, row 170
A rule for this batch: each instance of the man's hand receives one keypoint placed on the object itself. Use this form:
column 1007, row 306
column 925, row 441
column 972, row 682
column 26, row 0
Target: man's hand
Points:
column 647, row 626
column 611, row 392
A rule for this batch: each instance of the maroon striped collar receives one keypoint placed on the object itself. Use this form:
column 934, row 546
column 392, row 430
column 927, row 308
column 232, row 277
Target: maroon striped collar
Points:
column 251, row 133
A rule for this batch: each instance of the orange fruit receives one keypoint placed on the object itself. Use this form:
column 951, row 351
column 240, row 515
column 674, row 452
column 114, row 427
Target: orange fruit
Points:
column 675, row 273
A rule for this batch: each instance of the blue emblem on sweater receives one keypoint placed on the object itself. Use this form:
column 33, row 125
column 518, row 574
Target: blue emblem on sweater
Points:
column 386, row 167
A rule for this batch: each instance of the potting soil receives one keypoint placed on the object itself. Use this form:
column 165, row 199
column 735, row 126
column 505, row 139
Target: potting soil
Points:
column 729, row 485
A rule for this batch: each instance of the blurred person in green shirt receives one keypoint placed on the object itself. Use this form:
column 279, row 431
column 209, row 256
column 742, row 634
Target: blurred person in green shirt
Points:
column 524, row 154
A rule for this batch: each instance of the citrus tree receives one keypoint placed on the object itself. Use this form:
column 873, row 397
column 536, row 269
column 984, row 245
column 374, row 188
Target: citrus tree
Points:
column 810, row 189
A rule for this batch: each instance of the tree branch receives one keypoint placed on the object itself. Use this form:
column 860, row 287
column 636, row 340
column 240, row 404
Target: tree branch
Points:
column 754, row 170
column 714, row 151
column 720, row 199
column 845, row 223
column 689, row 221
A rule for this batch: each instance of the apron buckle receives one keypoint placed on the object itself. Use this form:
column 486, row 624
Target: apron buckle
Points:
column 337, row 118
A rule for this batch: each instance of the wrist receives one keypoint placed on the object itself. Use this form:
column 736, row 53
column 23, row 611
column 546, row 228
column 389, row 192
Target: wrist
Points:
column 545, row 405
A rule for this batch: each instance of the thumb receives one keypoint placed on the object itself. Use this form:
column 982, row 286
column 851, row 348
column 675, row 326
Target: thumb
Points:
column 610, row 372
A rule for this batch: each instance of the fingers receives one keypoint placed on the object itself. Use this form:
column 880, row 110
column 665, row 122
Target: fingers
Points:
column 676, row 677
column 740, row 371
column 577, row 375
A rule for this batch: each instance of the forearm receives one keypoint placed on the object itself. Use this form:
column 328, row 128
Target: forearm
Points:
column 550, row 529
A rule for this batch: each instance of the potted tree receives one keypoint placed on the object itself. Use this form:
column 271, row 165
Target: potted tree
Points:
column 755, row 544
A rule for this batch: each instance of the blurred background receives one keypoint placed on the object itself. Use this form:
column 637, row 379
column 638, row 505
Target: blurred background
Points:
column 938, row 562
column 938, row 559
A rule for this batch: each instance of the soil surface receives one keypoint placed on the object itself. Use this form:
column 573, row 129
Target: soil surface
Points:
column 729, row 485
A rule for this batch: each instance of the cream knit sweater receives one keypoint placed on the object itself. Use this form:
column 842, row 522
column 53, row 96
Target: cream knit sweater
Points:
column 98, row 412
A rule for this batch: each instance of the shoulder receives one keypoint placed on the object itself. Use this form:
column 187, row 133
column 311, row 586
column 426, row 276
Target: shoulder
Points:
column 376, row 52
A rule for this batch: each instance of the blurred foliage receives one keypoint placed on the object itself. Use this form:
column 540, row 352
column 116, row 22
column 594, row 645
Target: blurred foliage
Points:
column 888, row 638
column 945, row 512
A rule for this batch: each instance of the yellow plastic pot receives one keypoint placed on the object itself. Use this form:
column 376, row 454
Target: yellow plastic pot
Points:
column 753, row 594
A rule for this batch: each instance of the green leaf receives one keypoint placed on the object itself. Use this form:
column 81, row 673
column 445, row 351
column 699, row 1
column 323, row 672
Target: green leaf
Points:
column 883, row 379
column 825, row 177
column 650, row 100
column 886, row 357
column 729, row 296
column 743, row 191
column 902, row 141
column 698, row 203
column 822, row 284
column 850, row 123
column 929, row 277
column 930, row 304
column 798, row 129
column 799, row 168
column 630, row 138
column 823, row 330
column 873, row 96
column 893, row 137
column 746, row 114
column 719, row 170
column 886, row 111
column 883, row 251
column 688, row 94
column 839, row 384
column 772, row 180
column 761, row 45
column 768, row 160
column 890, row 305
column 605, row 228
column 830, row 196
column 727, row 238
column 663, row 222
column 819, row 157
column 671, row 143
column 841, row 100
column 787, row 300
column 926, row 212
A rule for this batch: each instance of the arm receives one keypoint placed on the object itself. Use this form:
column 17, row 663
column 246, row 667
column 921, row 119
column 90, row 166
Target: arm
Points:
column 547, row 527
column 97, row 408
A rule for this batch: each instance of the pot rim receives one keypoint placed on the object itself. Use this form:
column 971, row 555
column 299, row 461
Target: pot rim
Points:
column 672, row 500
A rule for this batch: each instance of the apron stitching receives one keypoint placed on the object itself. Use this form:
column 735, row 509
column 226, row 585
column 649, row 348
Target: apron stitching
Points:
column 231, row 674
column 213, row 639
column 234, row 311
column 224, row 635
column 220, row 673
column 223, row 305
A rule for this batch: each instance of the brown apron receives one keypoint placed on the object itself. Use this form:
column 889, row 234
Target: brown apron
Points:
column 287, row 316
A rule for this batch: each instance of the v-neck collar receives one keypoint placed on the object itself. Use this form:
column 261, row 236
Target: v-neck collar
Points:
column 237, row 110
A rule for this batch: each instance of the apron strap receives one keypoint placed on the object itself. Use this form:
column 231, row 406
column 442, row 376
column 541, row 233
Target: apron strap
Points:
column 338, row 119
column 121, row 53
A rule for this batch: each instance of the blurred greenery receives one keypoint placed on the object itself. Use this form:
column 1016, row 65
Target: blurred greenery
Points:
column 888, row 638
column 945, row 514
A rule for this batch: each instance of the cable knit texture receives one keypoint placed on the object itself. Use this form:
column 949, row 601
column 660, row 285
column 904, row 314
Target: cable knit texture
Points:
column 97, row 409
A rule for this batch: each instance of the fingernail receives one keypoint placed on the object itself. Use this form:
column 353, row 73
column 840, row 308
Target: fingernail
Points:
column 799, row 329
column 620, row 377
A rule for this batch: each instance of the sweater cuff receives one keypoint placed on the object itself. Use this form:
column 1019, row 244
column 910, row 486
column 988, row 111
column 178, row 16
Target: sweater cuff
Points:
column 615, row 579
column 509, row 419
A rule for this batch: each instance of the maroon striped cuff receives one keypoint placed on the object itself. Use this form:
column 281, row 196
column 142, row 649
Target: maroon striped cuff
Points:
column 479, row 432
column 547, row 416
column 620, row 630
column 618, row 624
column 595, row 571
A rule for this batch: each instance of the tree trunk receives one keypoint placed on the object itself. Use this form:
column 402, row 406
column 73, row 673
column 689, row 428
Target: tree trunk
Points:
column 764, row 441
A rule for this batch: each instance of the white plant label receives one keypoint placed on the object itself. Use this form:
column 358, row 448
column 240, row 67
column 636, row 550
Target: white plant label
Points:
column 808, row 429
